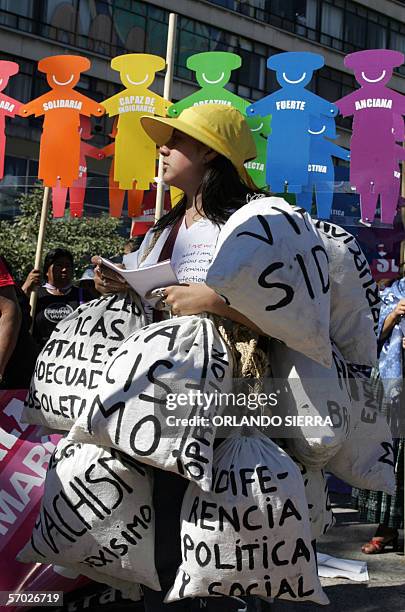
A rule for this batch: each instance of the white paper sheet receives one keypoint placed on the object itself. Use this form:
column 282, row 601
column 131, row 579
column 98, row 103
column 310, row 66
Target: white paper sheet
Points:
column 145, row 279
column 333, row 567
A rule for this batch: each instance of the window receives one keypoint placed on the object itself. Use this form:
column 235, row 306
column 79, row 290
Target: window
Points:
column 332, row 26
column 397, row 42
column 61, row 14
column 376, row 36
column 156, row 37
column 252, row 69
column 355, row 32
column 20, row 7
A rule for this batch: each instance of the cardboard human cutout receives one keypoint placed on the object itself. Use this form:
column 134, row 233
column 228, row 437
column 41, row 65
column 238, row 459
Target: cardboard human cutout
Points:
column 59, row 156
column 373, row 106
column 291, row 108
column 389, row 198
column 8, row 106
column 260, row 129
column 115, row 194
column 213, row 71
column 139, row 201
column 135, row 152
column 321, row 172
column 78, row 189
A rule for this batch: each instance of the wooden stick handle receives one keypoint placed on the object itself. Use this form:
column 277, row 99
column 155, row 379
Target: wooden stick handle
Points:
column 167, row 94
column 40, row 246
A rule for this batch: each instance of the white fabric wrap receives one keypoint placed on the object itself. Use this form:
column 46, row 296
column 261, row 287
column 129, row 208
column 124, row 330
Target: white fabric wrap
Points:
column 271, row 265
column 308, row 389
column 97, row 517
column 70, row 366
column 131, row 410
column 251, row 534
column 366, row 458
column 355, row 303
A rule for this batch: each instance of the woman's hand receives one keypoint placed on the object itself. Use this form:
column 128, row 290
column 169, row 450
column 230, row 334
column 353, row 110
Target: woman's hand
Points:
column 196, row 298
column 399, row 310
column 188, row 299
column 106, row 280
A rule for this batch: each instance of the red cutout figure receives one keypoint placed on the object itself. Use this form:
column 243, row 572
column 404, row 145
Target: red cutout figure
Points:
column 8, row 106
column 59, row 157
column 78, row 189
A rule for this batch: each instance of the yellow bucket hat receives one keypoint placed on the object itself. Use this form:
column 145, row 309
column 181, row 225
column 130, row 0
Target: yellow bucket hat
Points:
column 222, row 128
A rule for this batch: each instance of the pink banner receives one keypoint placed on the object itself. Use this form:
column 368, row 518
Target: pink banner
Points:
column 24, row 457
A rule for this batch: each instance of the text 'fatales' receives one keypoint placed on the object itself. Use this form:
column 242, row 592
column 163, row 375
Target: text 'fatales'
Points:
column 373, row 103
column 76, row 104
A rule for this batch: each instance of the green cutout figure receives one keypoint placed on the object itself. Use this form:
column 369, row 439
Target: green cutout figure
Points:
column 260, row 129
column 213, row 70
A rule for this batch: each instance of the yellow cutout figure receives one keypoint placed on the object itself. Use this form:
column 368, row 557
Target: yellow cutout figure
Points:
column 135, row 152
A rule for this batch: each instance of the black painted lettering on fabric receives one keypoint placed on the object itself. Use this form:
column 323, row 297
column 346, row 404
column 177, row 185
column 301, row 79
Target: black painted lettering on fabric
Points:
column 263, row 282
column 268, row 238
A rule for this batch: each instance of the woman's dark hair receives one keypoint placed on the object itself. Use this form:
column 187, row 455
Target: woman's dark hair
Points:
column 53, row 255
column 222, row 192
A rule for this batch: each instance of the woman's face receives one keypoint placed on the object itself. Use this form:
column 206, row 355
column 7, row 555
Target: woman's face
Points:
column 60, row 273
column 184, row 161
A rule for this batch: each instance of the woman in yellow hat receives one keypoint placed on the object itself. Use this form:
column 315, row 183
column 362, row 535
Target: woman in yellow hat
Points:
column 204, row 154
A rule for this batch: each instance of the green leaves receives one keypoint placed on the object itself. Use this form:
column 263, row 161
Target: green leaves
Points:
column 84, row 237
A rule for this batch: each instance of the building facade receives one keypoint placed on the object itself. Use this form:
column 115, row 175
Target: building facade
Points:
column 254, row 29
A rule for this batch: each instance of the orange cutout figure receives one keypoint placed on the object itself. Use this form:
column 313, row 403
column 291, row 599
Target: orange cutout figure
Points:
column 8, row 106
column 115, row 194
column 59, row 155
column 78, row 189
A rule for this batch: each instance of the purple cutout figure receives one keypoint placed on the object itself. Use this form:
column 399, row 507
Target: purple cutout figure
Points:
column 373, row 150
column 389, row 199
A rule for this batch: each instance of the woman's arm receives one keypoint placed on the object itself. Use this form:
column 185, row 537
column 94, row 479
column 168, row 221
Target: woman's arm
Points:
column 196, row 298
column 10, row 322
column 392, row 319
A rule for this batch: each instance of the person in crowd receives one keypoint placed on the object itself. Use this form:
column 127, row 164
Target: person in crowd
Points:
column 204, row 152
column 18, row 350
column 86, row 282
column 378, row 507
column 10, row 318
column 57, row 297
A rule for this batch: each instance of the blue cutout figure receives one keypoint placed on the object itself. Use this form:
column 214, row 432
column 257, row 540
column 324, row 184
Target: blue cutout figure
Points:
column 321, row 173
column 291, row 107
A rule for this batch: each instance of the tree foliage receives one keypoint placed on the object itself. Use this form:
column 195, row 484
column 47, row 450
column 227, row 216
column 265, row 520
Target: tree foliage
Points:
column 84, row 237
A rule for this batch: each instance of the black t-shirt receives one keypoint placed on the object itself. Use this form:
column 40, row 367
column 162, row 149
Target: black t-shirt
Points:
column 53, row 308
